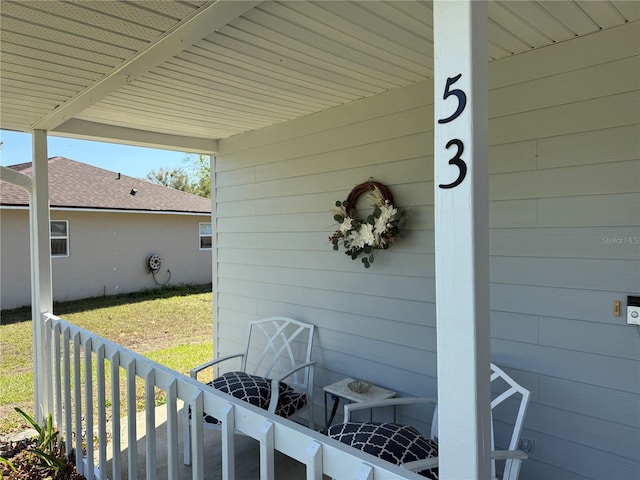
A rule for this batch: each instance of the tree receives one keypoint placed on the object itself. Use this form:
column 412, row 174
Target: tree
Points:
column 194, row 177
column 199, row 169
column 176, row 178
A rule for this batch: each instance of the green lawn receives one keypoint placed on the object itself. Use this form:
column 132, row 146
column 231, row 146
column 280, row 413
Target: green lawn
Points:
column 172, row 326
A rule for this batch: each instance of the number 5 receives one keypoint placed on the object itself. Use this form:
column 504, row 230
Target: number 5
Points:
column 462, row 98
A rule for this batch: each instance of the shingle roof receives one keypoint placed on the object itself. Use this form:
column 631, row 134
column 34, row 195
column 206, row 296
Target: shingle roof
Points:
column 78, row 185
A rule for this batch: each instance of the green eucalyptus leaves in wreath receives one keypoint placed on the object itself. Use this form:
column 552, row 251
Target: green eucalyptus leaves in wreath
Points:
column 362, row 236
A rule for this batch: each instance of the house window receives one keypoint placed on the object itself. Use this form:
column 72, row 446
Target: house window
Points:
column 59, row 238
column 205, row 236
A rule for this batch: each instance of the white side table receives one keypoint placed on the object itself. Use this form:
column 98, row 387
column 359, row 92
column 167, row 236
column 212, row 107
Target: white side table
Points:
column 340, row 390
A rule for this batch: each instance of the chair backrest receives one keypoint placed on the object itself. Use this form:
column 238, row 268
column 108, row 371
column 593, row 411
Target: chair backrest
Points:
column 277, row 345
column 503, row 387
column 510, row 389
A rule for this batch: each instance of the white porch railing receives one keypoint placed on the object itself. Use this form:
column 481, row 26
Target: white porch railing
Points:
column 77, row 366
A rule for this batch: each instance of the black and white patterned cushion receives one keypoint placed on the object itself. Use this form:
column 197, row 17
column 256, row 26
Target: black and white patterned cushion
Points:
column 290, row 402
column 257, row 391
column 391, row 442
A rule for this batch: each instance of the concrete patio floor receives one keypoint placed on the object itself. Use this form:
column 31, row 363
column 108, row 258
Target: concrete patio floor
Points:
column 247, row 454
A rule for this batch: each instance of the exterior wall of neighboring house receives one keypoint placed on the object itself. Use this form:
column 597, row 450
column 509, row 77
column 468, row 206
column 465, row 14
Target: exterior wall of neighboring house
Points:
column 15, row 273
column 107, row 254
column 565, row 233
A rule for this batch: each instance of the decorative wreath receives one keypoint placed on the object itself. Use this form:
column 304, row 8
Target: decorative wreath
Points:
column 378, row 231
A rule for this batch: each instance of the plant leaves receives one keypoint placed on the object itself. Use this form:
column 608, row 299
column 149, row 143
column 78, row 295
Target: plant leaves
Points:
column 8, row 463
column 338, row 218
column 45, row 448
column 371, row 220
column 29, row 419
column 49, row 459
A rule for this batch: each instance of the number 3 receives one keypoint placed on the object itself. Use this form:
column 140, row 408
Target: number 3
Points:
column 462, row 98
column 458, row 162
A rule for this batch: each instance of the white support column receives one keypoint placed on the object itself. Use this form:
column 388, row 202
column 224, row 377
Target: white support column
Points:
column 214, row 252
column 461, row 234
column 41, row 283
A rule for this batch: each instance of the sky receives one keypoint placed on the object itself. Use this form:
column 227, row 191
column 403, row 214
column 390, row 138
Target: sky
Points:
column 132, row 161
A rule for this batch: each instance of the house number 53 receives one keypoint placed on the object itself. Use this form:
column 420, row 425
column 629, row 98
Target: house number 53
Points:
column 462, row 103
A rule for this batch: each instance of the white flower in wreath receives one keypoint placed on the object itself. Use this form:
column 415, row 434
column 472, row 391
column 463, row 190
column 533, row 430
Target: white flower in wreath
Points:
column 387, row 214
column 366, row 232
column 355, row 239
column 346, row 225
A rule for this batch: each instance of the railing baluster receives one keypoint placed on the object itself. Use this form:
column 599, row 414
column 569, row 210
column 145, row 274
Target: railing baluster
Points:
column 132, row 448
column 77, row 403
column 58, row 379
column 314, row 464
column 68, row 427
column 47, row 364
column 116, row 448
column 186, row 430
column 150, row 420
column 364, row 472
column 197, row 437
column 228, row 443
column 172, row 430
column 267, row 469
column 88, row 414
column 102, row 413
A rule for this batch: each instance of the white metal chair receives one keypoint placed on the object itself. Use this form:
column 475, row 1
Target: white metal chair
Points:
column 404, row 445
column 276, row 358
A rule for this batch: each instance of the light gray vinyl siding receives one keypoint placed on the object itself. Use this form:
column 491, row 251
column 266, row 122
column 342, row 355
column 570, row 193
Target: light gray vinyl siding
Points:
column 564, row 189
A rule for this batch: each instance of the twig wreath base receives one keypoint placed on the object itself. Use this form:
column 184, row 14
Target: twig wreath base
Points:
column 378, row 231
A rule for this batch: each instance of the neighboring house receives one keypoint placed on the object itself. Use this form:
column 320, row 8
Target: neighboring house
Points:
column 104, row 226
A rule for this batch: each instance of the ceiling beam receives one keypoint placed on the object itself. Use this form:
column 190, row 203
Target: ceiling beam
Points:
column 16, row 178
column 204, row 21
column 101, row 132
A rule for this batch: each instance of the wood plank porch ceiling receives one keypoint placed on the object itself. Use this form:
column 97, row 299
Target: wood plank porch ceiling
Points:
column 137, row 70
